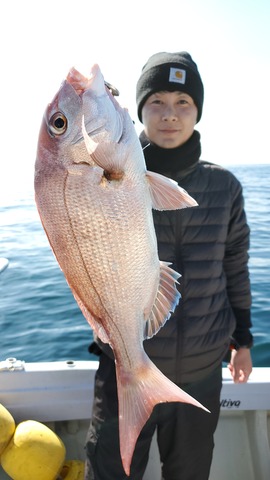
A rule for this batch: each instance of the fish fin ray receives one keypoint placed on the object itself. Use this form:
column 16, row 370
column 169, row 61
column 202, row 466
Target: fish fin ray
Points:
column 166, row 194
column 137, row 396
column 166, row 300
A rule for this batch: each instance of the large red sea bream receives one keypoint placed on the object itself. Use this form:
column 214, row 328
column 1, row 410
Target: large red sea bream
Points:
column 95, row 200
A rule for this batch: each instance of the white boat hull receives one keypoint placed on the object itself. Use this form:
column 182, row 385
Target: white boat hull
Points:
column 60, row 394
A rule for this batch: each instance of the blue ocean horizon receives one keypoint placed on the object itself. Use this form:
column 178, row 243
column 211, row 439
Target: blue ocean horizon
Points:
column 39, row 318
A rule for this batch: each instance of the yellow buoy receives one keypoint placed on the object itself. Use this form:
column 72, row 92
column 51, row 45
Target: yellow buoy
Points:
column 72, row 470
column 34, row 452
column 7, row 427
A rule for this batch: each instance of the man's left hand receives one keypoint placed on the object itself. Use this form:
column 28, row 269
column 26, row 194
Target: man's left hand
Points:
column 240, row 365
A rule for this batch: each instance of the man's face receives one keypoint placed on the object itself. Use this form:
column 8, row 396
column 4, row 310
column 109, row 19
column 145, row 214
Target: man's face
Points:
column 169, row 118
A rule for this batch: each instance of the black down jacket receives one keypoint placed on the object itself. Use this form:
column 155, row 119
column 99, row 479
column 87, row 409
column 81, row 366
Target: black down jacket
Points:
column 208, row 245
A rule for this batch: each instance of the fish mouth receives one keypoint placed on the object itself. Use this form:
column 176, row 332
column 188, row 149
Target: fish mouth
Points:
column 93, row 83
column 78, row 81
column 81, row 83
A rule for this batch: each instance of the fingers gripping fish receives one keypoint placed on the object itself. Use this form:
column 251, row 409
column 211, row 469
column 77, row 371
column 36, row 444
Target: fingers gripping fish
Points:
column 95, row 200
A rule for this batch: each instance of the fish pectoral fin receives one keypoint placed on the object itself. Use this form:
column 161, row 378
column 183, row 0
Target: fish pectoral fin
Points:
column 138, row 393
column 166, row 193
column 110, row 156
column 165, row 302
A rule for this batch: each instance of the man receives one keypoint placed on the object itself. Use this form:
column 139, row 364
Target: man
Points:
column 208, row 245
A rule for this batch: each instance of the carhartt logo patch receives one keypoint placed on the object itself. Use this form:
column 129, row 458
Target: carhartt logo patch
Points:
column 177, row 75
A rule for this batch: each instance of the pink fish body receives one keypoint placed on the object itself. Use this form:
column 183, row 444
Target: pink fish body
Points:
column 95, row 200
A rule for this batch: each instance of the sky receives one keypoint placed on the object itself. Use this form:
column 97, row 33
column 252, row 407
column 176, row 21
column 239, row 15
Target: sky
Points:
column 228, row 39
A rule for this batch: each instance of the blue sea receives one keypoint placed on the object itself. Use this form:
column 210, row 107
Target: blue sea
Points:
column 39, row 318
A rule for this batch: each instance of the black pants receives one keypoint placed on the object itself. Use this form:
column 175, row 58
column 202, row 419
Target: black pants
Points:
column 184, row 432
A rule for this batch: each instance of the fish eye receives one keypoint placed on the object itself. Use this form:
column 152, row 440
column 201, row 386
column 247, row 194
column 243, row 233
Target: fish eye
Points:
column 58, row 124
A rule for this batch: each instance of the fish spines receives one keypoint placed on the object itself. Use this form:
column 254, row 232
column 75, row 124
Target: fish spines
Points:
column 167, row 299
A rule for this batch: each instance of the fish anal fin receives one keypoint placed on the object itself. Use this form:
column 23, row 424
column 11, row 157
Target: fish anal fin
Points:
column 165, row 302
column 137, row 396
column 166, row 193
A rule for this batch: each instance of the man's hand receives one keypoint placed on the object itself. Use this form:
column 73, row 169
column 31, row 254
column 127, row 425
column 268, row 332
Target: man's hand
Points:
column 240, row 365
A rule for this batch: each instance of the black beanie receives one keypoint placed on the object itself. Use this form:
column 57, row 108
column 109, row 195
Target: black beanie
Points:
column 169, row 72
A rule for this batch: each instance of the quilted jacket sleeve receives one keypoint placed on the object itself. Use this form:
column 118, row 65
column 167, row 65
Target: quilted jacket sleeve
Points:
column 236, row 266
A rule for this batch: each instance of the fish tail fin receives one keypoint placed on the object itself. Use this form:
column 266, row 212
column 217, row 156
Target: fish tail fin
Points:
column 137, row 396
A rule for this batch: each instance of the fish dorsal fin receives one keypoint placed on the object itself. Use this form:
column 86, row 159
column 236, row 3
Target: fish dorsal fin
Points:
column 166, row 300
column 166, row 193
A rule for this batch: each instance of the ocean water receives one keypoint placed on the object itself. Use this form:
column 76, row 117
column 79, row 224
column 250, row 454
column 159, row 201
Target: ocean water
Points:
column 39, row 318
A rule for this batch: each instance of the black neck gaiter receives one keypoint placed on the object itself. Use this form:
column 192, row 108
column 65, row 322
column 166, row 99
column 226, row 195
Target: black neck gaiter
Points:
column 161, row 160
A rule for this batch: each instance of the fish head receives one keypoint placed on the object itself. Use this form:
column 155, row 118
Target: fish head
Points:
column 81, row 103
